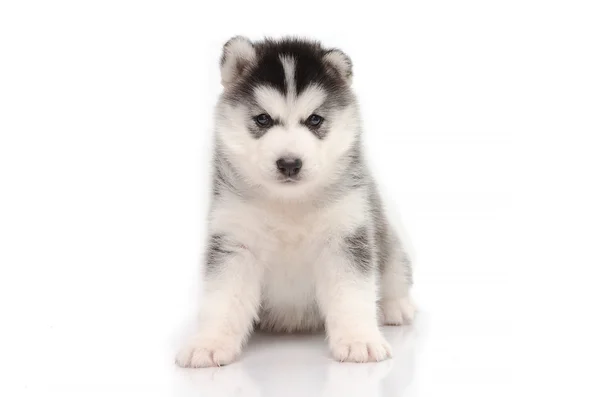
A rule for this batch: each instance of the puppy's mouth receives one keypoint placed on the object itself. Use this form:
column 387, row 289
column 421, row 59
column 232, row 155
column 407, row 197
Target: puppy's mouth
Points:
column 289, row 181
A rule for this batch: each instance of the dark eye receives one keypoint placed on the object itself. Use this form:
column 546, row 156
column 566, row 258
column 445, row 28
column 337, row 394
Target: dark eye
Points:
column 263, row 120
column 314, row 120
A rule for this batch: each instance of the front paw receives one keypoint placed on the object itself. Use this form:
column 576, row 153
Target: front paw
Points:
column 360, row 349
column 208, row 352
column 398, row 311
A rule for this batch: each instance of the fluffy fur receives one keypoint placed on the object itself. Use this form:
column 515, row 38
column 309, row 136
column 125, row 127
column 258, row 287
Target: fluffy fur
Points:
column 295, row 252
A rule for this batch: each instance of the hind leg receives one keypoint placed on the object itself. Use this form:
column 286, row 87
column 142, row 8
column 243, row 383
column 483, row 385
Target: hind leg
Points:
column 395, row 304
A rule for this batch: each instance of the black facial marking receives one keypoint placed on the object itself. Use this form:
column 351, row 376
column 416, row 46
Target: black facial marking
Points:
column 269, row 71
column 310, row 68
column 314, row 124
column 258, row 129
column 359, row 250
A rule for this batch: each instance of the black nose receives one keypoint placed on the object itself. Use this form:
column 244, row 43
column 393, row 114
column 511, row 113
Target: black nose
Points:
column 289, row 167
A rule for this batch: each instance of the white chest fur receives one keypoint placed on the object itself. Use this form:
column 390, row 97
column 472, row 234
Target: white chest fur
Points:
column 287, row 241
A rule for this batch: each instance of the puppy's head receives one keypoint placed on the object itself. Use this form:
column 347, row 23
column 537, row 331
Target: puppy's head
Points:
column 287, row 119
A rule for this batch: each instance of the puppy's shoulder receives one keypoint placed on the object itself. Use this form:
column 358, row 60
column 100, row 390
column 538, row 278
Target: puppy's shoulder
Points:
column 348, row 212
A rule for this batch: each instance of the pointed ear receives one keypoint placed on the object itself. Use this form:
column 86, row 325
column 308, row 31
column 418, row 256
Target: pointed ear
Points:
column 238, row 53
column 340, row 62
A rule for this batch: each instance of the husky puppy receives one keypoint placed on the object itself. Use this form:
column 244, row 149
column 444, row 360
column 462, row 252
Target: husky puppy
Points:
column 298, row 238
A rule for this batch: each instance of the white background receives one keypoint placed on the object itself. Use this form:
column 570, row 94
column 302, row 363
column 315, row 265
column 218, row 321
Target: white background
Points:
column 482, row 123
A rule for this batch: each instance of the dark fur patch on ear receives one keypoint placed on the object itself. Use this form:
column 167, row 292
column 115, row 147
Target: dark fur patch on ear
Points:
column 238, row 53
column 340, row 61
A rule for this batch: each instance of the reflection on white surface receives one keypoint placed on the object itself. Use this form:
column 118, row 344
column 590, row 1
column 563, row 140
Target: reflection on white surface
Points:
column 299, row 365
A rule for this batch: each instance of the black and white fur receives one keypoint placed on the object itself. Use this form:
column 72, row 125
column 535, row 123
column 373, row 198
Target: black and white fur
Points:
column 295, row 251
